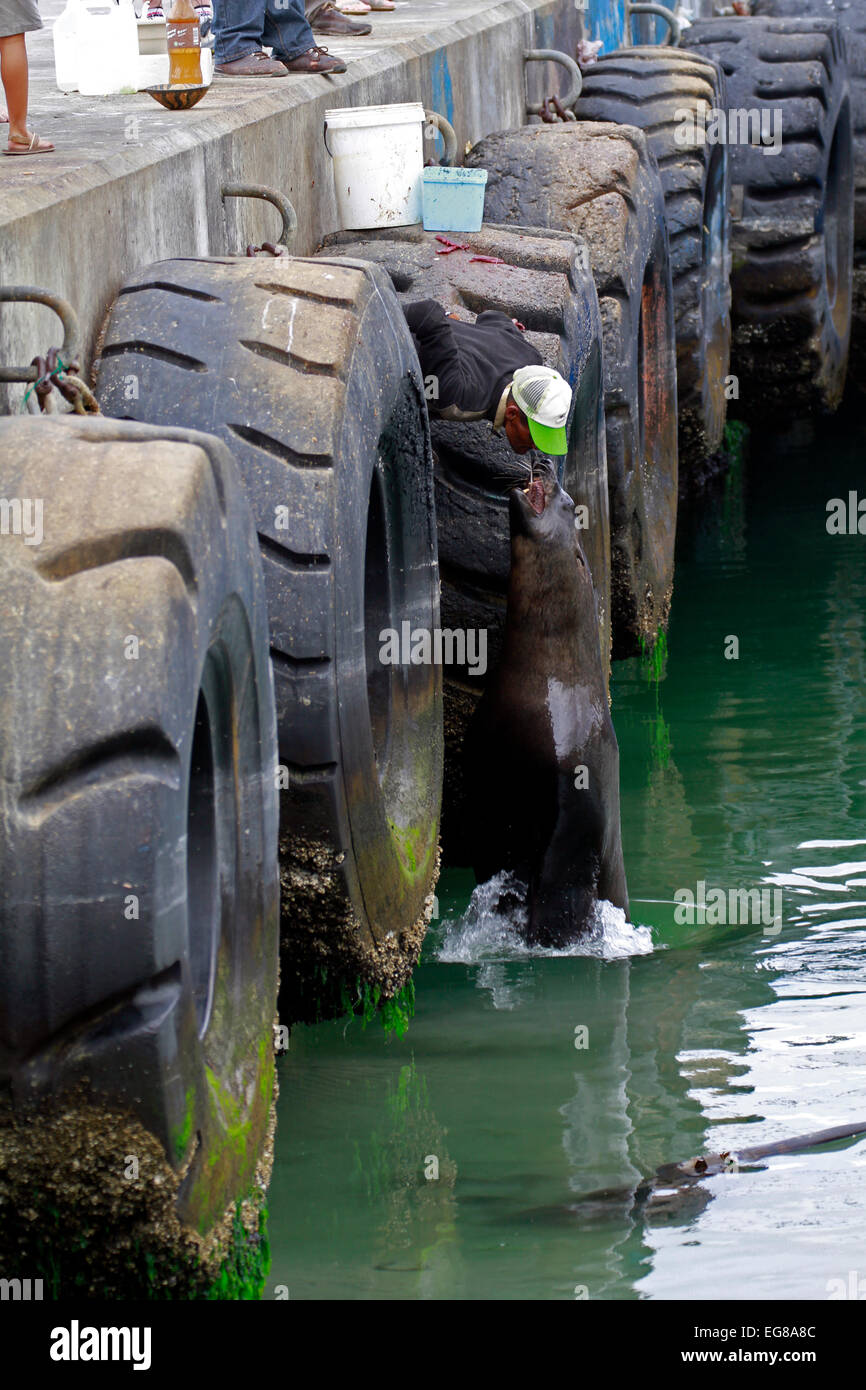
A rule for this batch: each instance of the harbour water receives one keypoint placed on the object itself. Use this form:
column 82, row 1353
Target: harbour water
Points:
column 457, row 1161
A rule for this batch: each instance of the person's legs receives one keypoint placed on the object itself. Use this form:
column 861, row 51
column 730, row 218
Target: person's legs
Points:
column 13, row 72
column 286, row 30
column 237, row 29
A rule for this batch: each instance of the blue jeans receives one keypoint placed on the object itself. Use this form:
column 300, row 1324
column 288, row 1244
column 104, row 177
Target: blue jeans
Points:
column 242, row 27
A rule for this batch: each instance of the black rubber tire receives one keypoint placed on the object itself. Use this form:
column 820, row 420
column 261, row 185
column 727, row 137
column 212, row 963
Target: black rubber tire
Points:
column 307, row 369
column 793, row 239
column 545, row 284
column 601, row 181
column 850, row 15
column 138, row 856
column 651, row 88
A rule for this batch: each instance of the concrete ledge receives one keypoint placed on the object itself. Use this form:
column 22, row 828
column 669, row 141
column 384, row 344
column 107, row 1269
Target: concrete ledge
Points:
column 131, row 183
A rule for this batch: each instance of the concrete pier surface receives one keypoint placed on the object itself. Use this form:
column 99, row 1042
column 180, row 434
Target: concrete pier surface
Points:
column 130, row 183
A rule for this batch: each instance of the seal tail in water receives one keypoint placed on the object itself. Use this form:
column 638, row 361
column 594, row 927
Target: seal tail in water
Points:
column 673, row 1188
column 700, row 1167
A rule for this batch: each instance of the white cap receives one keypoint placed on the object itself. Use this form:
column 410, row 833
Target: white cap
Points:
column 545, row 399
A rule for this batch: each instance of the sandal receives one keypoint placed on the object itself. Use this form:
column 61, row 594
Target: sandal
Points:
column 353, row 6
column 382, row 5
column 32, row 146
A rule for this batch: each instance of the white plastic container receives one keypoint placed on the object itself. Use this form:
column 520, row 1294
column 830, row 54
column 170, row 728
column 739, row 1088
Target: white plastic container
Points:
column 107, row 48
column 64, row 33
column 378, row 158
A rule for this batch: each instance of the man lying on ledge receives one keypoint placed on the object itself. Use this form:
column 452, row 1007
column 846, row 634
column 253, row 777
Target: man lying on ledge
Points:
column 488, row 370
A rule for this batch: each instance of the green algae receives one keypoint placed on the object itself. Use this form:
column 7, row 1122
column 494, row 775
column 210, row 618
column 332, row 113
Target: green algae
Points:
column 247, row 1263
column 367, row 1003
column 652, row 662
column 182, row 1136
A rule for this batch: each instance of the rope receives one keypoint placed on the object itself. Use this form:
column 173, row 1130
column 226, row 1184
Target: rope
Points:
column 71, row 387
column 41, row 381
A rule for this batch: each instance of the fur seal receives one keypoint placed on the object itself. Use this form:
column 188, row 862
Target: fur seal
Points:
column 674, row 1189
column 541, row 756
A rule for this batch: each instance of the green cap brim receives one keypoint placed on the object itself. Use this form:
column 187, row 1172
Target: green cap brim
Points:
column 547, row 438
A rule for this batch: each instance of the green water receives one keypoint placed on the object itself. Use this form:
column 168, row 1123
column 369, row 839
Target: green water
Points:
column 742, row 773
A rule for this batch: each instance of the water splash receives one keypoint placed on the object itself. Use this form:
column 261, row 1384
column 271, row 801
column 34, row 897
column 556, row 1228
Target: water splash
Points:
column 494, row 924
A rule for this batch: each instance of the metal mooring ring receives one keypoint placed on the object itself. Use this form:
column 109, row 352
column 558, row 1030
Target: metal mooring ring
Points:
column 553, row 55
column 31, row 294
column 640, row 7
column 268, row 195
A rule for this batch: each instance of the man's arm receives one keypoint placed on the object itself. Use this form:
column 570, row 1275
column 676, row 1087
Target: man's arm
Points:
column 439, row 354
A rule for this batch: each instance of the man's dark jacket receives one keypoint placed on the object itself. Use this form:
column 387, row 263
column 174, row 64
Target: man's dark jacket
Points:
column 472, row 362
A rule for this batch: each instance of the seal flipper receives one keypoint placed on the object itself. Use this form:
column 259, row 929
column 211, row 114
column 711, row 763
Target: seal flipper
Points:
column 559, row 917
column 612, row 882
column 564, row 894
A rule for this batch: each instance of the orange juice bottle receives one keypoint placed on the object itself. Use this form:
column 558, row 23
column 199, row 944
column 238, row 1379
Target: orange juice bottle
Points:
column 183, row 37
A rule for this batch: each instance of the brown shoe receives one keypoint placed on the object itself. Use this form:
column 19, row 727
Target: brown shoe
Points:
column 327, row 19
column 254, row 65
column 315, row 60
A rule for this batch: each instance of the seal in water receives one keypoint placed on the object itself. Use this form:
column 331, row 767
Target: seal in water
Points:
column 541, row 757
column 674, row 1188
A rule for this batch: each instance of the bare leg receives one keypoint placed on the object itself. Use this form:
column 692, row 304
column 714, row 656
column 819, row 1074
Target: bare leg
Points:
column 13, row 71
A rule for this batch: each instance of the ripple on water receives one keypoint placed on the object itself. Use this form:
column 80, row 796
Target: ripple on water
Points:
column 493, row 929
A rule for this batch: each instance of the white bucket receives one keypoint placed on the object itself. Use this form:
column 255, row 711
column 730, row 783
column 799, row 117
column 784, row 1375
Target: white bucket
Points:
column 378, row 157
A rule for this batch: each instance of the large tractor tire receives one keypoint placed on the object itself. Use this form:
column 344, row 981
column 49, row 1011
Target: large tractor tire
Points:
column 306, row 369
column 138, row 863
column 850, row 15
column 792, row 229
column 543, row 282
column 601, row 182
column 664, row 92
